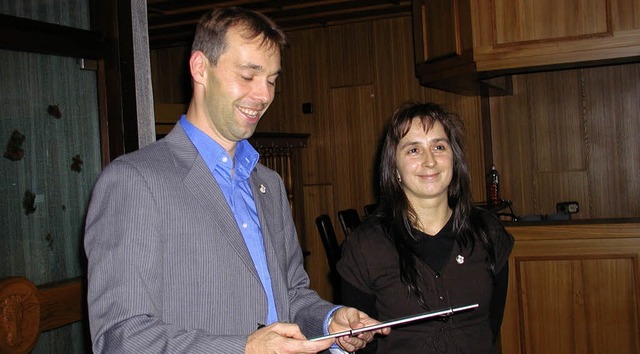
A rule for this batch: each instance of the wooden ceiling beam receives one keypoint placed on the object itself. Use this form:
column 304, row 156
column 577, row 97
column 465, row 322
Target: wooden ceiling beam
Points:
column 172, row 22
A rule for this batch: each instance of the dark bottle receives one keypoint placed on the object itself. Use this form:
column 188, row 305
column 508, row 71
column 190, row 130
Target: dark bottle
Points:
column 493, row 185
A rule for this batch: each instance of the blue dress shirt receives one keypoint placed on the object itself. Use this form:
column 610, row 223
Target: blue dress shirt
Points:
column 232, row 176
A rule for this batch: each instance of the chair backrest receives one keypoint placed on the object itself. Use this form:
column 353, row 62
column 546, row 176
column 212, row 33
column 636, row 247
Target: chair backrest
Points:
column 370, row 209
column 349, row 220
column 332, row 249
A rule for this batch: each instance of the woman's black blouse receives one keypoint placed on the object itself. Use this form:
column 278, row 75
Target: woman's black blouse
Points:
column 451, row 277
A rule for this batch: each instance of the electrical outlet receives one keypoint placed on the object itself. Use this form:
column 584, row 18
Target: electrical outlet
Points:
column 568, row 207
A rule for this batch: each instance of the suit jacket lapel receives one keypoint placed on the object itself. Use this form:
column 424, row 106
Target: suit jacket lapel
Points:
column 264, row 196
column 205, row 189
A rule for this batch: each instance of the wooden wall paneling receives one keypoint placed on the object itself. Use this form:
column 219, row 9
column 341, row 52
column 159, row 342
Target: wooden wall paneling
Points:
column 395, row 80
column 319, row 154
column 562, row 129
column 565, row 186
column 306, row 79
column 469, row 109
column 557, row 121
column 355, row 141
column 558, row 145
column 170, row 76
column 276, row 119
column 612, row 107
column 317, row 200
column 511, row 140
column 350, row 54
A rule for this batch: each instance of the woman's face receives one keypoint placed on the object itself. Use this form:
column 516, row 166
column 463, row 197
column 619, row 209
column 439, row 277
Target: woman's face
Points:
column 424, row 161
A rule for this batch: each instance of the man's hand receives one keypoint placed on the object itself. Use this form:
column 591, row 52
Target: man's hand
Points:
column 346, row 318
column 283, row 338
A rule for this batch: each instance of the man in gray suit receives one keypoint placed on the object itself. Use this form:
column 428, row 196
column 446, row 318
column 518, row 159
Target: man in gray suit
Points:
column 190, row 241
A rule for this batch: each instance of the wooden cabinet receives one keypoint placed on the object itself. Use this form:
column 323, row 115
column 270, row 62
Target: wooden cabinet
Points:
column 516, row 36
column 443, row 45
column 521, row 33
column 573, row 289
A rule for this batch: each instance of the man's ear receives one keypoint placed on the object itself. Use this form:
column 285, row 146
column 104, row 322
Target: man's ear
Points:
column 198, row 64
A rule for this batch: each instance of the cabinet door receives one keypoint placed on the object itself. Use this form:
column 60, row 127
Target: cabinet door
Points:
column 520, row 21
column 523, row 33
column 441, row 30
column 573, row 289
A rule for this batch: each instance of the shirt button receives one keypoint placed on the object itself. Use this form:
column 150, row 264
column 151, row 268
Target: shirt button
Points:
column 244, row 225
column 225, row 159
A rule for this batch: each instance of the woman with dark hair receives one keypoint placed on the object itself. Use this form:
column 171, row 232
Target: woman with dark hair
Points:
column 427, row 247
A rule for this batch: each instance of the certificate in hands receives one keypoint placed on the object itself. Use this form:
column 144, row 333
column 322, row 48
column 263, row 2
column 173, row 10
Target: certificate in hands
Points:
column 390, row 323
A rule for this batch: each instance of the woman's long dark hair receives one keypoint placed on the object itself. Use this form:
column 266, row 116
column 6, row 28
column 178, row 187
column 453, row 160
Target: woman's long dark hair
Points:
column 397, row 215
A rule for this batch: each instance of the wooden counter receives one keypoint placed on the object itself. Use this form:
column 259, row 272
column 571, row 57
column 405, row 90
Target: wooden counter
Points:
column 574, row 287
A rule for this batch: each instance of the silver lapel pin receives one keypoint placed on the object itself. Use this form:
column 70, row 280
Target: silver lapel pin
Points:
column 263, row 189
column 460, row 259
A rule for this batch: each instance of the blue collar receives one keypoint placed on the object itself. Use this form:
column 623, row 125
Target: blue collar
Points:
column 245, row 159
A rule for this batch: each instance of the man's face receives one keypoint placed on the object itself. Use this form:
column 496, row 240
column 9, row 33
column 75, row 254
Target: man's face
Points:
column 240, row 87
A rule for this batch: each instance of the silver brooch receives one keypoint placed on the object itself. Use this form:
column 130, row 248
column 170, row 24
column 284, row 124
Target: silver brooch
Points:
column 263, row 189
column 460, row 259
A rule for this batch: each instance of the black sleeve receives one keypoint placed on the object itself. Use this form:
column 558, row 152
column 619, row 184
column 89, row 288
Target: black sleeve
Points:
column 498, row 300
column 354, row 297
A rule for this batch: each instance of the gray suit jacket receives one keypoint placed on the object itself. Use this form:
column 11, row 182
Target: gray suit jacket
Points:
column 168, row 269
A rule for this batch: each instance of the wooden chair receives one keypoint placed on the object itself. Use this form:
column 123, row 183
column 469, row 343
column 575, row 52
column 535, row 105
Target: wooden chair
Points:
column 349, row 220
column 332, row 249
column 27, row 310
